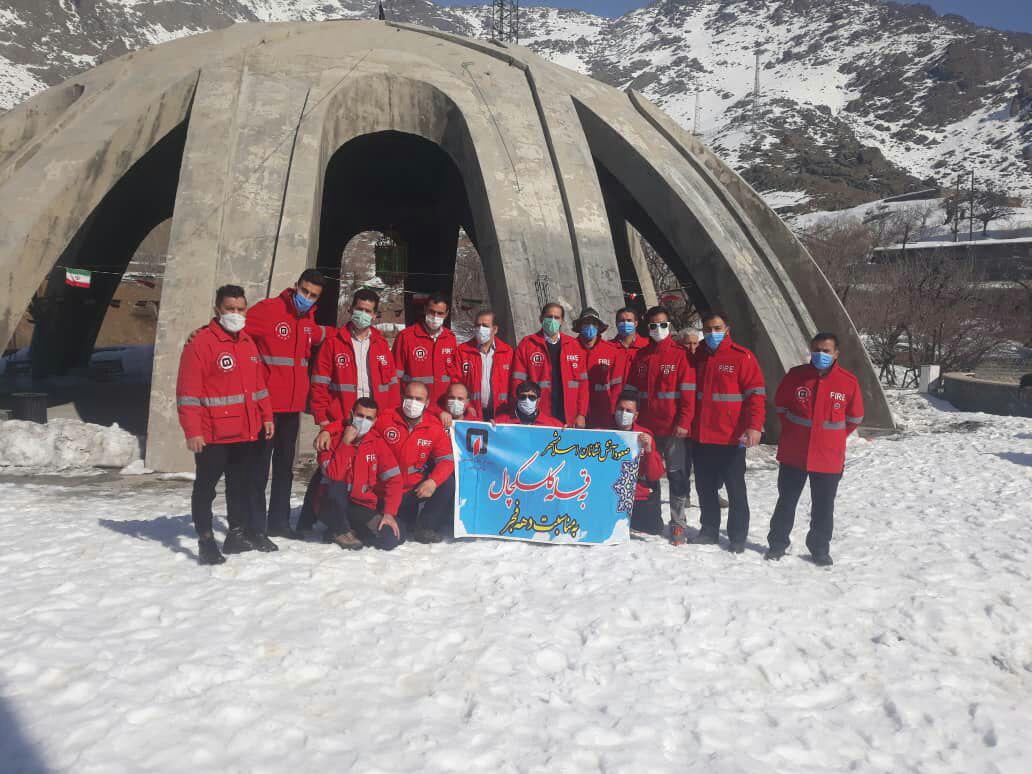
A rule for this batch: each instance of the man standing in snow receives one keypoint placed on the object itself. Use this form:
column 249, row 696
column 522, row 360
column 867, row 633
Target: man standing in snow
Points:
column 729, row 414
column 627, row 342
column 600, row 362
column 485, row 363
column 819, row 405
column 224, row 409
column 286, row 334
column 427, row 352
column 556, row 363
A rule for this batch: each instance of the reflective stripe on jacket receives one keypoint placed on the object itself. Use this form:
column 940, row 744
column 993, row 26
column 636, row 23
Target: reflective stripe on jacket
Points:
column 286, row 340
column 422, row 452
column 335, row 377
column 604, row 381
column 731, row 396
column 471, row 370
column 817, row 414
column 531, row 362
column 419, row 357
column 370, row 471
column 665, row 380
column 221, row 393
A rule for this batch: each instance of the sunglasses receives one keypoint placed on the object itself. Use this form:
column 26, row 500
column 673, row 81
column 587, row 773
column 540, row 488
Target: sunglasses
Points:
column 659, row 326
column 528, row 396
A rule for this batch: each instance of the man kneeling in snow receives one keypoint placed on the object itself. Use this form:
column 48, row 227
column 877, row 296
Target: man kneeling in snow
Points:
column 362, row 484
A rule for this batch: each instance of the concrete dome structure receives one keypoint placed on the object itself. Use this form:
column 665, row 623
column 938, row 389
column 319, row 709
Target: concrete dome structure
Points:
column 270, row 145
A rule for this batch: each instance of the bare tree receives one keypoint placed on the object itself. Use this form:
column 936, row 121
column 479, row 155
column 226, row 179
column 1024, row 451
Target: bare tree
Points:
column 991, row 205
column 840, row 246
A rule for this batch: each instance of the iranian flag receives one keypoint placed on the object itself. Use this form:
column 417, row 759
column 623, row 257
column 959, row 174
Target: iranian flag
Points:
column 77, row 278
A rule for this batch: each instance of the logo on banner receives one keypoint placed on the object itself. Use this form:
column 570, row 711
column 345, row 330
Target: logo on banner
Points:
column 283, row 330
column 419, row 353
column 391, row 435
column 476, row 441
column 343, row 360
column 226, row 362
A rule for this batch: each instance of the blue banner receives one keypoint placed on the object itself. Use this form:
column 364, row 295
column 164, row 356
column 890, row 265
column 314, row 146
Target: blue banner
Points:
column 545, row 484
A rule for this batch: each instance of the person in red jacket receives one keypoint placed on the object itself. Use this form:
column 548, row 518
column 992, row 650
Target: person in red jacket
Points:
column 354, row 363
column 527, row 408
column 646, row 516
column 423, row 450
column 729, row 414
column 627, row 342
column 600, row 362
column 224, row 409
column 556, row 363
column 665, row 381
column 362, row 485
column 485, row 366
column 819, row 405
column 286, row 334
column 427, row 351
column 455, row 405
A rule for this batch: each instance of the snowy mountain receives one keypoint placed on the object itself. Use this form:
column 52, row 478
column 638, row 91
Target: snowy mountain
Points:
column 858, row 98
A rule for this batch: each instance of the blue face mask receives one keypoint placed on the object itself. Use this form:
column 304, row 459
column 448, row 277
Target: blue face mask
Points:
column 303, row 304
column 589, row 332
column 713, row 340
column 625, row 327
column 821, row 360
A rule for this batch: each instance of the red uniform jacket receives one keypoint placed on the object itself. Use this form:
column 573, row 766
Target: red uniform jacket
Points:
column 285, row 340
column 470, row 369
column 817, row 414
column 221, row 392
column 422, row 358
column 543, row 420
column 604, row 381
column 426, row 449
column 665, row 381
column 335, row 377
column 370, row 471
column 532, row 363
column 731, row 395
column 624, row 358
column 650, row 465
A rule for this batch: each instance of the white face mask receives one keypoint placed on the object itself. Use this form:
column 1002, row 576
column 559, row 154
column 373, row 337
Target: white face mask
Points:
column 413, row 408
column 433, row 321
column 527, row 405
column 233, row 322
column 456, row 407
column 659, row 333
column 362, row 424
column 483, row 333
column 624, row 418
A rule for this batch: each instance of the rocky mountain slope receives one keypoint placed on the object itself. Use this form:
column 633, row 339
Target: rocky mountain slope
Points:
column 858, row 98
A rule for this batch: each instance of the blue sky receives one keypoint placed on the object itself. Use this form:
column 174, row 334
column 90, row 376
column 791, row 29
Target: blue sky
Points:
column 1002, row 14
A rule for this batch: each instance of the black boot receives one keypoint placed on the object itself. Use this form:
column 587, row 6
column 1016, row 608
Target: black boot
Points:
column 705, row 538
column 283, row 531
column 426, row 535
column 261, row 542
column 208, row 552
column 774, row 554
column 822, row 560
column 236, row 542
column 736, row 547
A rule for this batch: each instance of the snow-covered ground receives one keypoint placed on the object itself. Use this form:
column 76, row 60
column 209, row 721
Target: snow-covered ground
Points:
column 913, row 653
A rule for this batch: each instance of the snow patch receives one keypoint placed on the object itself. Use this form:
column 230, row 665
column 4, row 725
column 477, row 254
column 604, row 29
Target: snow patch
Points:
column 64, row 445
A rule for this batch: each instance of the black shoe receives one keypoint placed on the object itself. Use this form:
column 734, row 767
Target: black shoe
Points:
column 705, row 538
column 236, row 542
column 822, row 560
column 208, row 552
column 284, row 531
column 774, row 554
column 426, row 535
column 261, row 542
column 736, row 547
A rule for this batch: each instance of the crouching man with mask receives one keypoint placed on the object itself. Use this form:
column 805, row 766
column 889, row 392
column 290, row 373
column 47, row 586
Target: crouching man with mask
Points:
column 455, row 405
column 646, row 516
column 423, row 450
column 224, row 409
column 362, row 485
column 527, row 409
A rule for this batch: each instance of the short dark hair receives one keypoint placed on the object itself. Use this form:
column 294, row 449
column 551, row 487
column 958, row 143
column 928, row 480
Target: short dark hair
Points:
column 633, row 311
column 824, row 336
column 313, row 276
column 629, row 393
column 366, row 294
column 368, row 403
column 426, row 388
column 229, row 291
column 711, row 314
column 486, row 310
column 438, row 298
column 553, row 305
column 657, row 310
column 528, row 386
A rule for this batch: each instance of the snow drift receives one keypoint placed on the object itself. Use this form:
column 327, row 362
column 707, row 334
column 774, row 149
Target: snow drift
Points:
column 65, row 445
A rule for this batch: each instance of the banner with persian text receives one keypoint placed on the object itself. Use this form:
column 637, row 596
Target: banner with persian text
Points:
column 545, row 484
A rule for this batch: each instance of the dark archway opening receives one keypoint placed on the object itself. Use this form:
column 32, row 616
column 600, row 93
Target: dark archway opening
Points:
column 128, row 229
column 402, row 184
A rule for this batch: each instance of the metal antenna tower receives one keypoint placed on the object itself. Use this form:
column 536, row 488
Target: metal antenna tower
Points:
column 698, row 116
column 505, row 20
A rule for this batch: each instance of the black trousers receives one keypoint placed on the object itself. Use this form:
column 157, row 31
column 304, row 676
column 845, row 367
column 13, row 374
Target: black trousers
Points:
column 647, row 514
column 717, row 465
column 245, row 502
column 436, row 512
column 342, row 515
column 280, row 452
column 823, row 488
column 308, row 516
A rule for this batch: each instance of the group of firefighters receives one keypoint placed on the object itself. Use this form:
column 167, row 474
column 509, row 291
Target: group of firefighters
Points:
column 386, row 471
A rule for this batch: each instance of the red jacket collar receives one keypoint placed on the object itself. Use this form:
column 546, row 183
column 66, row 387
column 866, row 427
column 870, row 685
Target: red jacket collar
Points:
column 472, row 345
column 419, row 329
column 427, row 420
column 639, row 341
column 288, row 298
column 344, row 332
column 661, row 346
column 223, row 335
column 539, row 337
column 722, row 348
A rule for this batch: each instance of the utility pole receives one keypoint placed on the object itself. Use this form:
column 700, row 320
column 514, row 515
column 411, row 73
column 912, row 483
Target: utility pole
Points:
column 756, row 91
column 971, row 210
column 698, row 114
